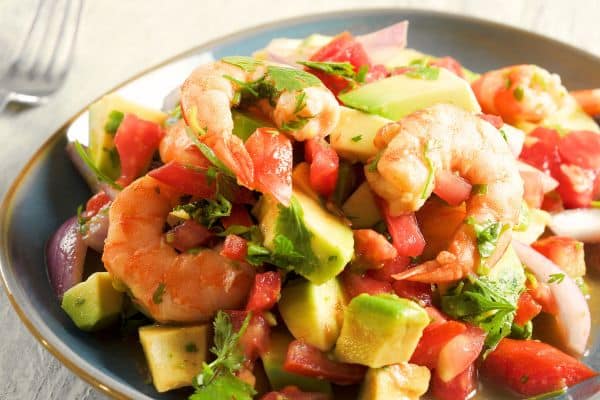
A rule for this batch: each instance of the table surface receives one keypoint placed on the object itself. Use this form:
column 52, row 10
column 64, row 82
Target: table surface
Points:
column 110, row 49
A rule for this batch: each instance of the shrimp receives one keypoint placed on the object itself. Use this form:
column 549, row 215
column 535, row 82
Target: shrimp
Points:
column 520, row 93
column 168, row 286
column 212, row 89
column 588, row 100
column 176, row 145
column 446, row 138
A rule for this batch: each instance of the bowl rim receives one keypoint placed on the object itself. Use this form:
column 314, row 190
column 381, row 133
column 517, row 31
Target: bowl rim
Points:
column 59, row 349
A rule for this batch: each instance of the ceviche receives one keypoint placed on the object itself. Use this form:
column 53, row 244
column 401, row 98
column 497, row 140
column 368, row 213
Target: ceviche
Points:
column 343, row 217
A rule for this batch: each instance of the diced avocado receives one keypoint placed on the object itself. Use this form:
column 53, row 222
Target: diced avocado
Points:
column 174, row 354
column 361, row 208
column 101, row 146
column 508, row 272
column 331, row 240
column 245, row 124
column 402, row 381
column 380, row 330
column 400, row 95
column 538, row 219
column 278, row 377
column 353, row 136
column 93, row 304
column 313, row 313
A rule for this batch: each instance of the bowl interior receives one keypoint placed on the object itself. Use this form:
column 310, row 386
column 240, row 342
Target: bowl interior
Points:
column 49, row 189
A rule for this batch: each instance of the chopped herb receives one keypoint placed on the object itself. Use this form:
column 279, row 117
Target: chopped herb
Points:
column 487, row 235
column 157, row 297
column 580, row 282
column 295, row 124
column 244, row 86
column 114, row 121
column 503, row 133
column 344, row 70
column 79, row 301
column 88, row 161
column 425, row 72
column 361, row 75
column 549, row 395
column 556, row 278
column 518, row 93
column 300, row 102
column 431, row 166
column 257, row 254
column 174, row 115
column 522, row 332
column 290, row 79
column 235, row 230
column 357, row 138
column 332, row 258
column 248, row 64
column 372, row 166
column 209, row 154
column 191, row 347
column 206, row 211
column 480, row 189
column 81, row 221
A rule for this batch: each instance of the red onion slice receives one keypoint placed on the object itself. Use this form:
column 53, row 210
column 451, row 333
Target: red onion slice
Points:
column 97, row 229
column 384, row 44
column 65, row 256
column 582, row 224
column 573, row 316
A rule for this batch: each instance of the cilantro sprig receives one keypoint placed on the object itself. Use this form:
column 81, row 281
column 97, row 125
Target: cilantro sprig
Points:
column 343, row 70
column 206, row 211
column 102, row 177
column 487, row 234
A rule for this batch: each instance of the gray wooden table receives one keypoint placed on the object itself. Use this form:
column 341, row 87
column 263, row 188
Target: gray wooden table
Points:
column 120, row 38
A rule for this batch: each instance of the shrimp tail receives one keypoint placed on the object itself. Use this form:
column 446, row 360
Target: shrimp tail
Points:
column 232, row 152
column 445, row 268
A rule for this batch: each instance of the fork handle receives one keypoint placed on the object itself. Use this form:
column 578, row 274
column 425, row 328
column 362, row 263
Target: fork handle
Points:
column 5, row 98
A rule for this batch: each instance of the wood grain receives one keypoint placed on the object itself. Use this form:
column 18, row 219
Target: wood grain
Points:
column 111, row 48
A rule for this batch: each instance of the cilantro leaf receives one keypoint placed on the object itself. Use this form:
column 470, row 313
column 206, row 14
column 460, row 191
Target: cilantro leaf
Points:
column 431, row 166
column 209, row 153
column 290, row 79
column 556, row 278
column 225, row 386
column 206, row 211
column 424, row 72
column 342, row 69
column 487, row 235
column 357, row 138
column 88, row 161
column 372, row 166
column 300, row 102
column 158, row 293
column 295, row 124
column 248, row 64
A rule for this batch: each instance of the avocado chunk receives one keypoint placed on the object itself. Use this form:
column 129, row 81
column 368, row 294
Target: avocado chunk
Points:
column 402, row 381
column 353, row 136
column 569, row 118
column 404, row 57
column 101, row 146
column 313, row 313
column 331, row 241
column 536, row 225
column 361, row 208
column 380, row 330
column 245, row 124
column 93, row 304
column 279, row 378
column 400, row 95
column 174, row 354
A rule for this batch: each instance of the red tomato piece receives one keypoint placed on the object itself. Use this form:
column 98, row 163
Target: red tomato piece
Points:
column 372, row 247
column 271, row 154
column 552, row 202
column 541, row 149
column 343, row 48
column 541, row 294
column 404, row 230
column 307, row 360
column 136, row 141
column 376, row 72
column 324, row 165
column 293, row 393
column 95, row 203
column 451, row 188
column 581, row 148
column 355, row 284
column 576, row 185
column 450, row 64
column 493, row 119
column 460, row 352
column 459, row 388
column 533, row 188
column 527, row 309
column 565, row 252
column 434, row 337
column 265, row 292
column 417, row 291
column 185, row 179
column 255, row 339
column 531, row 368
column 188, row 235
column 390, row 267
column 239, row 216
column 235, row 248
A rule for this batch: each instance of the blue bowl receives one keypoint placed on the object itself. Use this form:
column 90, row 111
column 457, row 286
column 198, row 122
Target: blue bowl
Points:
column 49, row 189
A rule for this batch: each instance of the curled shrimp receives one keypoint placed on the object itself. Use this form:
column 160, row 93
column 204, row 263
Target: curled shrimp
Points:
column 520, row 93
column 176, row 145
column 212, row 89
column 168, row 286
column 446, row 138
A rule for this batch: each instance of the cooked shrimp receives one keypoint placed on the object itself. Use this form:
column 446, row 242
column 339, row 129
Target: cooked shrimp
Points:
column 176, row 145
column 212, row 89
column 446, row 138
column 170, row 287
column 589, row 100
column 520, row 93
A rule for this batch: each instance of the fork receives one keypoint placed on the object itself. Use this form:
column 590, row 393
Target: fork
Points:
column 44, row 58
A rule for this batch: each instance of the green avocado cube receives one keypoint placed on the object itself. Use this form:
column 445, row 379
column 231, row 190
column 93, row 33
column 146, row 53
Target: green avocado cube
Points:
column 279, row 378
column 400, row 95
column 93, row 304
column 402, row 381
column 361, row 208
column 244, row 124
column 313, row 313
column 380, row 330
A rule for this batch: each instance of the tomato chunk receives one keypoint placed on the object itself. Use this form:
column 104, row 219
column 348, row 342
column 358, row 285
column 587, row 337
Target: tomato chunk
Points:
column 541, row 149
column 372, row 247
column 389, row 268
column 307, row 360
column 459, row 388
column 565, row 252
column 271, row 154
column 293, row 393
column 581, row 148
column 136, row 141
column 451, row 188
column 416, row 291
column 576, row 185
column 355, row 284
column 435, row 336
column 235, row 248
column 188, row 235
column 531, row 368
column 265, row 292
column 460, row 352
column 239, row 216
column 185, row 179
column 255, row 339
column 324, row 166
column 404, row 230
column 95, row 203
column 527, row 309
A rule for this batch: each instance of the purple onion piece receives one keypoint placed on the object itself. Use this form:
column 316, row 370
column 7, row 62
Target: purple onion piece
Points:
column 88, row 175
column 97, row 229
column 65, row 257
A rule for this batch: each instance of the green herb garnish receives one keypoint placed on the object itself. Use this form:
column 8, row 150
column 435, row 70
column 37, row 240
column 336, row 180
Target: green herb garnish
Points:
column 157, row 296
column 114, row 121
column 357, row 138
column 518, row 93
column 88, row 161
column 556, row 278
column 248, row 64
column 487, row 234
column 372, row 166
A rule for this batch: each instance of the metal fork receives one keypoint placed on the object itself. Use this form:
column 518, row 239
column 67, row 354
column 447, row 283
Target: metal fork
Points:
column 44, row 58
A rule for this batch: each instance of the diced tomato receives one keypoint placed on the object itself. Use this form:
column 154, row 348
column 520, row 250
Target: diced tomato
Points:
column 552, row 202
column 541, row 293
column 460, row 352
column 265, row 292
column 324, row 165
column 581, row 148
column 565, row 252
column 255, row 339
column 185, row 179
column 404, row 230
column 342, row 48
column 271, row 154
column 451, row 188
column 533, row 188
column 541, row 149
column 188, row 235
column 390, row 267
column 239, row 216
column 376, row 72
column 434, row 337
column 95, row 203
column 372, row 247
column 235, row 248
column 459, row 388
column 531, row 368
column 450, row 64
column 417, row 291
column 307, row 360
column 293, row 393
column 527, row 309
column 355, row 284
column 576, row 185
column 495, row 120
column 136, row 141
